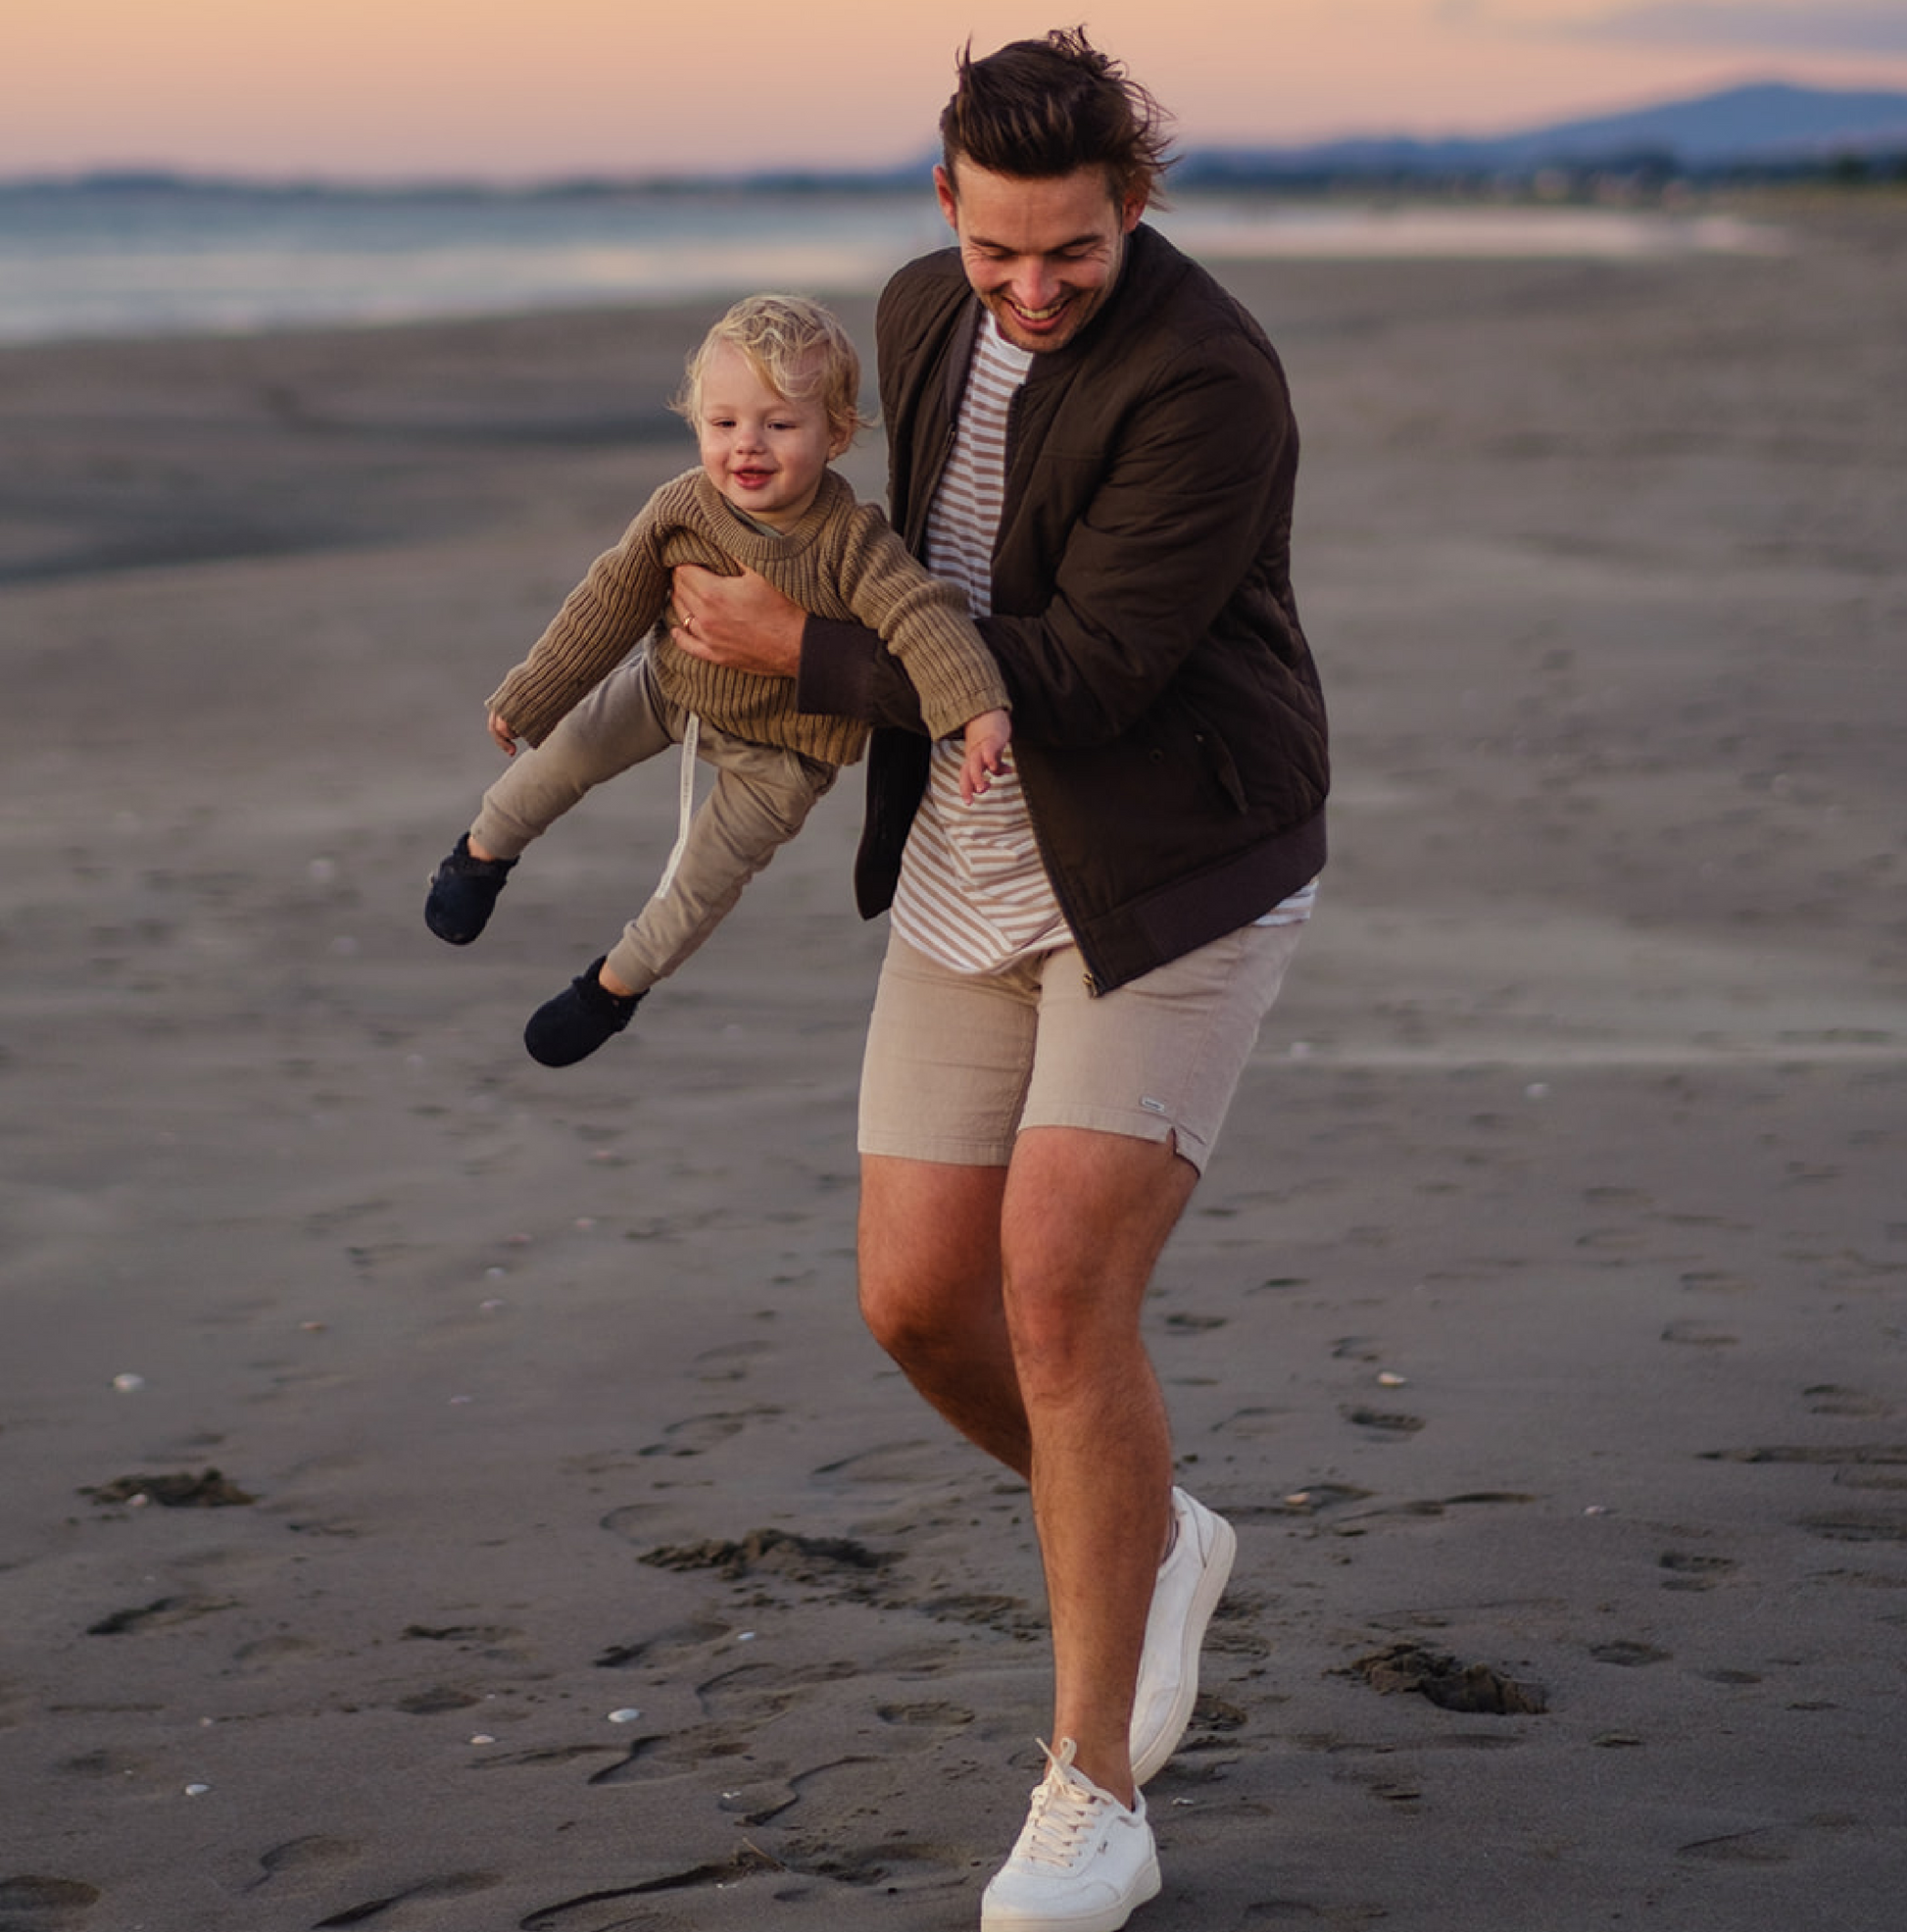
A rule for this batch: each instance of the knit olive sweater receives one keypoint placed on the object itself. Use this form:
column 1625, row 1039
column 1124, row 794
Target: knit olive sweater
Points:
column 841, row 560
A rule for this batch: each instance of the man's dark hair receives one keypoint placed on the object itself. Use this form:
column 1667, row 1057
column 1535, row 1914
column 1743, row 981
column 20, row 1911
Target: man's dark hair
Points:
column 1042, row 108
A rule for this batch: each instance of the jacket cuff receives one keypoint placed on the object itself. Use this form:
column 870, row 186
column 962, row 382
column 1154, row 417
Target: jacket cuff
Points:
column 847, row 670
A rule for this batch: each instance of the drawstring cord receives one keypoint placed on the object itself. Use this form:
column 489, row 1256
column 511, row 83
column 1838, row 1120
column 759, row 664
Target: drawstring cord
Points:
column 685, row 807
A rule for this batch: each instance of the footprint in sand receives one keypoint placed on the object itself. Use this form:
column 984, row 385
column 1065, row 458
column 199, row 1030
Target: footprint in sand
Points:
column 435, row 1700
column 1237, row 1628
column 1301, row 1911
column 758, row 1800
column 1010, row 1615
column 299, row 1856
column 1715, row 1282
column 268, row 1653
column 1382, row 1423
column 896, row 1864
column 730, row 1363
column 410, row 1907
column 550, row 1757
column 465, row 1636
column 1829, row 1399
column 99, row 1768
column 1631, row 1656
column 695, row 1433
column 753, row 1693
column 912, row 1461
column 34, row 1904
column 1741, row 1848
column 763, row 1799
column 1691, row 1570
column 1876, row 1454
column 934, row 1713
column 1857, row 1527
column 835, row 1564
column 1252, row 1422
column 644, row 1759
column 1859, row 1478
column 1698, row 1335
column 632, row 1522
column 161, row 1610
column 666, row 1647
column 584, row 1912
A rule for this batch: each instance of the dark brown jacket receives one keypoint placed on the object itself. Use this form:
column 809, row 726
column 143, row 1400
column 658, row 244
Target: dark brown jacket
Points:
column 1167, row 721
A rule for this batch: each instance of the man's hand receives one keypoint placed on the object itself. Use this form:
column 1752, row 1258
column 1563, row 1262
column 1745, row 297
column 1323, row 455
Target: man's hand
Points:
column 504, row 732
column 742, row 621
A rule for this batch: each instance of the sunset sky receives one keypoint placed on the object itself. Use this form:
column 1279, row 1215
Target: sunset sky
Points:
column 480, row 88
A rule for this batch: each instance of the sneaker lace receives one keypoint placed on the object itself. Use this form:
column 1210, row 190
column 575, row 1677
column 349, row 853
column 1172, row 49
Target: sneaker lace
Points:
column 1063, row 1812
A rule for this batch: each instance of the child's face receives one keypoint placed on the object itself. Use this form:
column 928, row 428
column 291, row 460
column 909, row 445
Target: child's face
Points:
column 764, row 452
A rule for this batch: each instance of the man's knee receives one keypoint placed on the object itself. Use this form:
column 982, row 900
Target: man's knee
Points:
column 920, row 1317
column 888, row 1314
column 929, row 1251
column 1086, row 1216
column 1068, row 1332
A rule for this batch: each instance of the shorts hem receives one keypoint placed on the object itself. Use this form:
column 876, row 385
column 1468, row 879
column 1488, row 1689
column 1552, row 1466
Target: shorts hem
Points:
column 949, row 1152
column 1159, row 1131
column 1159, row 1128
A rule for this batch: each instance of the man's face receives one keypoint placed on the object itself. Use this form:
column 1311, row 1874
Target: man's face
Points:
column 1041, row 254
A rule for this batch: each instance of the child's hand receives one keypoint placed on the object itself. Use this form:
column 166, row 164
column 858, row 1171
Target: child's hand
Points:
column 504, row 732
column 987, row 739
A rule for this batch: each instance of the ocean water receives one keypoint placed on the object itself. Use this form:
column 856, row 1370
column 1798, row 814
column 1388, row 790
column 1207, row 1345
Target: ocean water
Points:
column 134, row 259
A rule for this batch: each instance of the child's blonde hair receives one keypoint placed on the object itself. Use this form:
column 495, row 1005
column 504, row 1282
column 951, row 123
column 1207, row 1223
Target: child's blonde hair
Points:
column 796, row 347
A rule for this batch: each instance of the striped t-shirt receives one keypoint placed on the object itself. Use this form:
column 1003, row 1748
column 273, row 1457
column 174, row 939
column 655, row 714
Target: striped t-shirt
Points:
column 974, row 894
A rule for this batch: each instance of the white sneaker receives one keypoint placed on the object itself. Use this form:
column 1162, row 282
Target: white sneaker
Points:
column 1081, row 1863
column 1190, row 1581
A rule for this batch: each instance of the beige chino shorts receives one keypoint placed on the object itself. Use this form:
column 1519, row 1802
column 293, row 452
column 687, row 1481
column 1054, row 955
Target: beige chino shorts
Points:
column 959, row 1062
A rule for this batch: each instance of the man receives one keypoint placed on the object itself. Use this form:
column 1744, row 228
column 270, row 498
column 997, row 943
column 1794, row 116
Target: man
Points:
column 1095, row 439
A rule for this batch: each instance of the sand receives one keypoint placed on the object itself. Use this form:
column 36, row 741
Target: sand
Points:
column 575, row 1562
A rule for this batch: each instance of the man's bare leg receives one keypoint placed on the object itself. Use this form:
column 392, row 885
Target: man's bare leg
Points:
column 1084, row 1220
column 1047, row 1373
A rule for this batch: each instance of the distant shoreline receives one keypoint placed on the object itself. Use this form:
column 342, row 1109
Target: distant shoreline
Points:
column 1208, row 176
column 130, row 257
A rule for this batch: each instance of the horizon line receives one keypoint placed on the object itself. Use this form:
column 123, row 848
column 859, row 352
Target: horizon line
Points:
column 132, row 173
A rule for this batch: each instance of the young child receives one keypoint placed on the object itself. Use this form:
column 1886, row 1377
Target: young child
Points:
column 772, row 394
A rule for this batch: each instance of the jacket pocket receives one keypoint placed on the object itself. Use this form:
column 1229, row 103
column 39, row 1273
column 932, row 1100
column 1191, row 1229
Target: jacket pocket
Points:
column 1216, row 756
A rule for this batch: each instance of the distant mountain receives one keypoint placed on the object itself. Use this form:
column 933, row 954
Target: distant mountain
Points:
column 1770, row 127
column 1766, row 126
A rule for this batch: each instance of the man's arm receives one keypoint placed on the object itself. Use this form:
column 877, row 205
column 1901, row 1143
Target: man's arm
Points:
column 845, row 669
column 840, row 668
column 1191, row 506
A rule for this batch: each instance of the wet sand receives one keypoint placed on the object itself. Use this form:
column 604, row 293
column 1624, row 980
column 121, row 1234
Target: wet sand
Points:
column 575, row 1562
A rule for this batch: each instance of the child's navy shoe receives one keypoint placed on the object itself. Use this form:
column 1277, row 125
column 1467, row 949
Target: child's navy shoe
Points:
column 572, row 1025
column 462, row 894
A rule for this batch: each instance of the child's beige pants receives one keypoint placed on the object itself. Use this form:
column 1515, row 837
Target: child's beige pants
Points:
column 761, row 798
